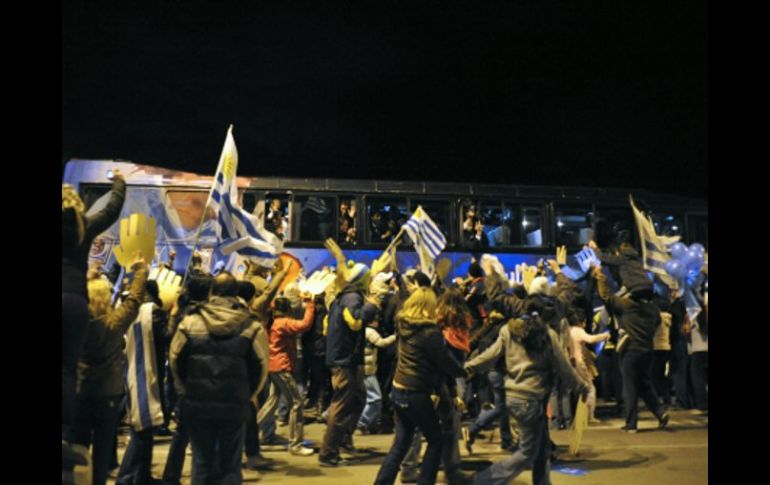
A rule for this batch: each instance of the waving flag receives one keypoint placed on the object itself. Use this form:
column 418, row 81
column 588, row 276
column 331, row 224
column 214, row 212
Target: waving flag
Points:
column 655, row 252
column 237, row 230
column 427, row 238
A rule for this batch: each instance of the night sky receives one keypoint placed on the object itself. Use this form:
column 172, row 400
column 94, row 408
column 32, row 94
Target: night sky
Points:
column 537, row 92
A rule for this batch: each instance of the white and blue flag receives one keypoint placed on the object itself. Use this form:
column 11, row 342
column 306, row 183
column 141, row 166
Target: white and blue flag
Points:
column 655, row 248
column 427, row 239
column 237, row 230
column 144, row 407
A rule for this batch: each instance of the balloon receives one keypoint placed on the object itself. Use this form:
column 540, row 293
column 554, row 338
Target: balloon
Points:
column 678, row 250
column 698, row 247
column 693, row 259
column 676, row 268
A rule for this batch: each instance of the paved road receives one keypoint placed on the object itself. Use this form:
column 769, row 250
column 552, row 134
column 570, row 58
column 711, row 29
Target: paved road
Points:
column 677, row 455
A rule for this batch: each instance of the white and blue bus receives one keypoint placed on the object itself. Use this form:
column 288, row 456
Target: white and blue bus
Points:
column 521, row 224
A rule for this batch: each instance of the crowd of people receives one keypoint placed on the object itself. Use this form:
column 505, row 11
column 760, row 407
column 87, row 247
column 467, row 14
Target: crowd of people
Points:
column 380, row 350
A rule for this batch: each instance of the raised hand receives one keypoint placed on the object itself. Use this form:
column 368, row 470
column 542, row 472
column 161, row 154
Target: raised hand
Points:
column 169, row 286
column 561, row 255
column 137, row 233
column 528, row 274
column 554, row 266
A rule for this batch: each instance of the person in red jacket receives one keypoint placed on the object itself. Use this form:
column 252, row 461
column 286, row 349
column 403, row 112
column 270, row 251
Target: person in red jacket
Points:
column 283, row 357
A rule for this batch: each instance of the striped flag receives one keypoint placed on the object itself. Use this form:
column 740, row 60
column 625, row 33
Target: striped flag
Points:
column 237, row 230
column 655, row 249
column 143, row 387
column 427, row 239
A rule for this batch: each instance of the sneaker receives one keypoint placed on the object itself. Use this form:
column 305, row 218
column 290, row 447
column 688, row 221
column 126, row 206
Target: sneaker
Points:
column 468, row 440
column 333, row 462
column 663, row 421
column 301, row 451
column 457, row 478
column 410, row 476
column 595, row 421
column 258, row 462
column 629, row 430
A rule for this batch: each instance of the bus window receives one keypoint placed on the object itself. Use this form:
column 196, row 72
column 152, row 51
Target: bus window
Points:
column 531, row 227
column 249, row 201
column 574, row 225
column 386, row 216
column 346, row 221
column 610, row 222
column 470, row 217
column 89, row 195
column 492, row 219
column 698, row 229
column 667, row 223
column 314, row 217
column 277, row 215
column 437, row 210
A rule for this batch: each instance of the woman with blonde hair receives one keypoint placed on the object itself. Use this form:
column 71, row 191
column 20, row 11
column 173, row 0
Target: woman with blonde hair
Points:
column 423, row 360
column 100, row 370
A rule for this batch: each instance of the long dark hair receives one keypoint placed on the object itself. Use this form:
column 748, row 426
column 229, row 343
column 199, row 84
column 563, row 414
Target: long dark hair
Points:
column 532, row 332
column 452, row 310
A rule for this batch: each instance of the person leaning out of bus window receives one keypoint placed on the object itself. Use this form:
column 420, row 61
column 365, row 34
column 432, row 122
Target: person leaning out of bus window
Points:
column 476, row 240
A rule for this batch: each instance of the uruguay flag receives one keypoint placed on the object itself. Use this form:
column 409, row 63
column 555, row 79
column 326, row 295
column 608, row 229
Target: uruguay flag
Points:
column 655, row 252
column 237, row 230
column 427, row 238
column 143, row 386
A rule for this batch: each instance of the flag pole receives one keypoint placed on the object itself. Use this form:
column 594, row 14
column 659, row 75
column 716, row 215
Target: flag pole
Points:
column 205, row 209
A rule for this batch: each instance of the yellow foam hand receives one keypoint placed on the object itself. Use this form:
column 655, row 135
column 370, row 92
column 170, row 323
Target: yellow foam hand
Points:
column 137, row 233
column 528, row 274
column 380, row 264
column 169, row 285
column 443, row 267
column 561, row 255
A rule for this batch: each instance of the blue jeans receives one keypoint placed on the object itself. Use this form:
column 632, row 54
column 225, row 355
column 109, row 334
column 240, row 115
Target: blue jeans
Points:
column 373, row 402
column 137, row 460
column 497, row 381
column 413, row 410
column 533, row 447
column 212, row 439
column 176, row 452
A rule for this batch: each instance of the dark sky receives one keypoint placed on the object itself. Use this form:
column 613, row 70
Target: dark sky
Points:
column 538, row 92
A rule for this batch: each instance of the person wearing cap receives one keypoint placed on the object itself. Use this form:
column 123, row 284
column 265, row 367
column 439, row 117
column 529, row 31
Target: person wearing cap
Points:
column 348, row 316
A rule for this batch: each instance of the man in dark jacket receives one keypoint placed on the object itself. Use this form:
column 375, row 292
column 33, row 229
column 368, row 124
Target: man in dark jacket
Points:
column 639, row 316
column 78, row 232
column 218, row 364
column 348, row 316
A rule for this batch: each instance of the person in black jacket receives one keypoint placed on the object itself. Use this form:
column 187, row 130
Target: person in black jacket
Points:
column 423, row 360
column 78, row 232
column 639, row 316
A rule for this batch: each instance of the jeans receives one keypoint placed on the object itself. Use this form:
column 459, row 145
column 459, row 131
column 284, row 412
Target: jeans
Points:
column 287, row 387
column 320, row 389
column 373, row 403
column 636, row 380
column 347, row 403
column 97, row 415
column 413, row 410
column 497, row 382
column 679, row 368
column 74, row 330
column 699, row 372
column 137, row 460
column 533, row 448
column 176, row 452
column 658, row 375
column 212, row 440
column 561, row 407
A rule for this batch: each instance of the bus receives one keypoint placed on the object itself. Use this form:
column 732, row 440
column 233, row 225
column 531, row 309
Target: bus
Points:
column 515, row 223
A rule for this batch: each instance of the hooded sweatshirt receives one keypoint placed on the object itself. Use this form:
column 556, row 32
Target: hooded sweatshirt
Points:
column 527, row 377
column 219, row 358
column 283, row 339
